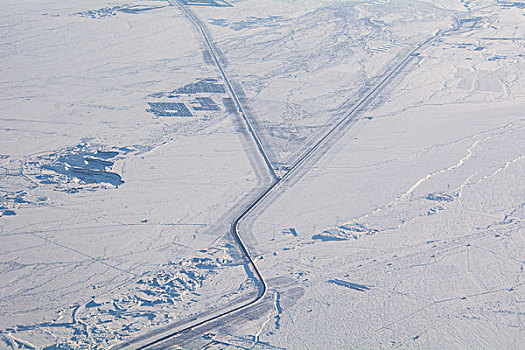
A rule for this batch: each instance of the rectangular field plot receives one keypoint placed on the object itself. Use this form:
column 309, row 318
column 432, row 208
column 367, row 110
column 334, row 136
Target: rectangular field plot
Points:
column 169, row 109
column 205, row 104
column 202, row 86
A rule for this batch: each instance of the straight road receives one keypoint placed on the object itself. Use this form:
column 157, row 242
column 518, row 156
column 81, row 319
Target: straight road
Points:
column 349, row 119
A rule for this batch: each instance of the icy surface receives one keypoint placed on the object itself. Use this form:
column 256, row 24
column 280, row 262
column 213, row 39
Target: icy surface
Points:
column 124, row 161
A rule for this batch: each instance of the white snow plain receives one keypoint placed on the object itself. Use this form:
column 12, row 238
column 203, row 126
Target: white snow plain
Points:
column 124, row 162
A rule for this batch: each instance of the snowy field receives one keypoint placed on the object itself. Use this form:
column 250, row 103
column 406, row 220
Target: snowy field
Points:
column 262, row 174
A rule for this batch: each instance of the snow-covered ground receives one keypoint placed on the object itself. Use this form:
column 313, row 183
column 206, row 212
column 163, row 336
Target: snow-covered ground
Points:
column 124, row 162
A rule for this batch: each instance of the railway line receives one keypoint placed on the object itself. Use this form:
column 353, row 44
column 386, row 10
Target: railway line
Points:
column 349, row 118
